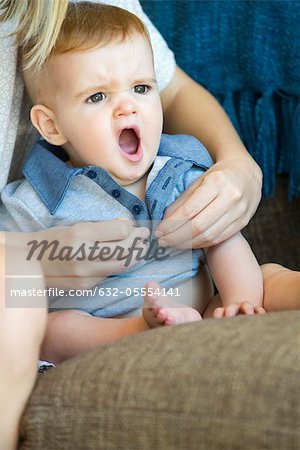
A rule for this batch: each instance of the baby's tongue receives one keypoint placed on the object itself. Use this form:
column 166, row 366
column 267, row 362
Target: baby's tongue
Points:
column 128, row 141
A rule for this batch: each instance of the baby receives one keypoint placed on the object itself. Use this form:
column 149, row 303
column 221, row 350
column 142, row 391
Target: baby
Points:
column 97, row 106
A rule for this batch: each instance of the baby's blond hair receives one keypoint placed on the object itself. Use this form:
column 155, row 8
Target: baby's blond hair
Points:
column 89, row 25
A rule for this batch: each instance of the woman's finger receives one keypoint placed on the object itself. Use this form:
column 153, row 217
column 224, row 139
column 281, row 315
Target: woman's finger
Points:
column 193, row 205
column 202, row 229
column 102, row 231
column 181, row 199
column 83, row 259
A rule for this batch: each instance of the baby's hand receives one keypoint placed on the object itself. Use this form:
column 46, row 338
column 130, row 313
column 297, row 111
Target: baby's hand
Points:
column 235, row 309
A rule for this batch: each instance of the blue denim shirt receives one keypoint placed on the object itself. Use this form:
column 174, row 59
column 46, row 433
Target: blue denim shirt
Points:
column 53, row 194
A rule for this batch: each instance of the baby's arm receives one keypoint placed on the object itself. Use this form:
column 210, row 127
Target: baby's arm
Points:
column 71, row 332
column 237, row 276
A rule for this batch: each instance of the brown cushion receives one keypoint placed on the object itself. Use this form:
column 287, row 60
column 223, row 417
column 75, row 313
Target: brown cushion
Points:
column 216, row 384
column 273, row 232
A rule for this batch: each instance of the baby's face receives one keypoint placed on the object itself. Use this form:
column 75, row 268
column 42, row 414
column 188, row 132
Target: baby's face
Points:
column 108, row 108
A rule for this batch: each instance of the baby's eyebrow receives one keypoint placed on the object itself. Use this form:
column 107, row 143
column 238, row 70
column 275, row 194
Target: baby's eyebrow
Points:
column 90, row 90
column 105, row 88
column 145, row 81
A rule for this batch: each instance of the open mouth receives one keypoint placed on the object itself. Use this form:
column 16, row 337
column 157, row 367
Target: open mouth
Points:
column 129, row 143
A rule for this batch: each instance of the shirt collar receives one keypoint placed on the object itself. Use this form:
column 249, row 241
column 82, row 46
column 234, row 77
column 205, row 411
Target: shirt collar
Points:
column 48, row 174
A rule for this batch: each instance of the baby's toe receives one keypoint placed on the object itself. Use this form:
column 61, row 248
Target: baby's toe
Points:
column 170, row 320
column 162, row 314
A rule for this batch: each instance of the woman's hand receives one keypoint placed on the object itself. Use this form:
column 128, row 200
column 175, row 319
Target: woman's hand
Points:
column 82, row 255
column 224, row 199
column 215, row 207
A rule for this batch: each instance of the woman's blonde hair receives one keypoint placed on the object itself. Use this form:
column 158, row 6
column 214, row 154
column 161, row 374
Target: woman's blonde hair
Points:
column 37, row 22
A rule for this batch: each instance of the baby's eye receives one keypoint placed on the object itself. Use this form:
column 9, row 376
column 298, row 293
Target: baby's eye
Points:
column 141, row 89
column 96, row 98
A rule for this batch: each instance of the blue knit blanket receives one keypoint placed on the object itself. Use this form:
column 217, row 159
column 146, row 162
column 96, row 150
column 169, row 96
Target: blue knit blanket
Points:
column 247, row 53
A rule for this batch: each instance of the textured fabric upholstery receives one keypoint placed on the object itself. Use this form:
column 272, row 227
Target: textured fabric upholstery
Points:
column 220, row 384
column 274, row 231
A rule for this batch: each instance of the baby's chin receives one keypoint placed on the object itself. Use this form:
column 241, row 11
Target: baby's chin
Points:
column 132, row 179
column 128, row 183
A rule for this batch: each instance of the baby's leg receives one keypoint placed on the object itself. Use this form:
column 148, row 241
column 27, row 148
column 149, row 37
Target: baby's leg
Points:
column 281, row 288
column 159, row 310
column 71, row 332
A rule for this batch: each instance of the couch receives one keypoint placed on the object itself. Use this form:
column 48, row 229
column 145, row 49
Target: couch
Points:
column 220, row 384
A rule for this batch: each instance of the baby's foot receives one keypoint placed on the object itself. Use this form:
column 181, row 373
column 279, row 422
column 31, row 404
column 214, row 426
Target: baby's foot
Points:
column 159, row 310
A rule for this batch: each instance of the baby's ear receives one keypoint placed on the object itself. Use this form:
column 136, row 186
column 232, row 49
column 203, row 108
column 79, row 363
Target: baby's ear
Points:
column 45, row 122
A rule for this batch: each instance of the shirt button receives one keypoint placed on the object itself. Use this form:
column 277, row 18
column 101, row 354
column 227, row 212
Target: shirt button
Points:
column 116, row 193
column 91, row 174
column 137, row 209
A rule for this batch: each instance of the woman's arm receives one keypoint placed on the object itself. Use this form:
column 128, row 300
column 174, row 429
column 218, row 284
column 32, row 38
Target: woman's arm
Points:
column 226, row 197
column 22, row 326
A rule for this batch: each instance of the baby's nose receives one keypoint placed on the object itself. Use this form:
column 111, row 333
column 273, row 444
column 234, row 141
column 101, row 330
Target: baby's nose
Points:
column 125, row 106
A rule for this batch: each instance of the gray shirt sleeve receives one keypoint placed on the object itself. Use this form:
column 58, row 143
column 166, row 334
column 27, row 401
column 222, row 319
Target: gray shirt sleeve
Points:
column 21, row 208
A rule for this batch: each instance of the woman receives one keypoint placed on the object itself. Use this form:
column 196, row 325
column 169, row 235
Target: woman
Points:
column 218, row 207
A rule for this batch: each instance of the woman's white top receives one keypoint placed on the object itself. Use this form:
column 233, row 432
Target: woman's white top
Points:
column 16, row 133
